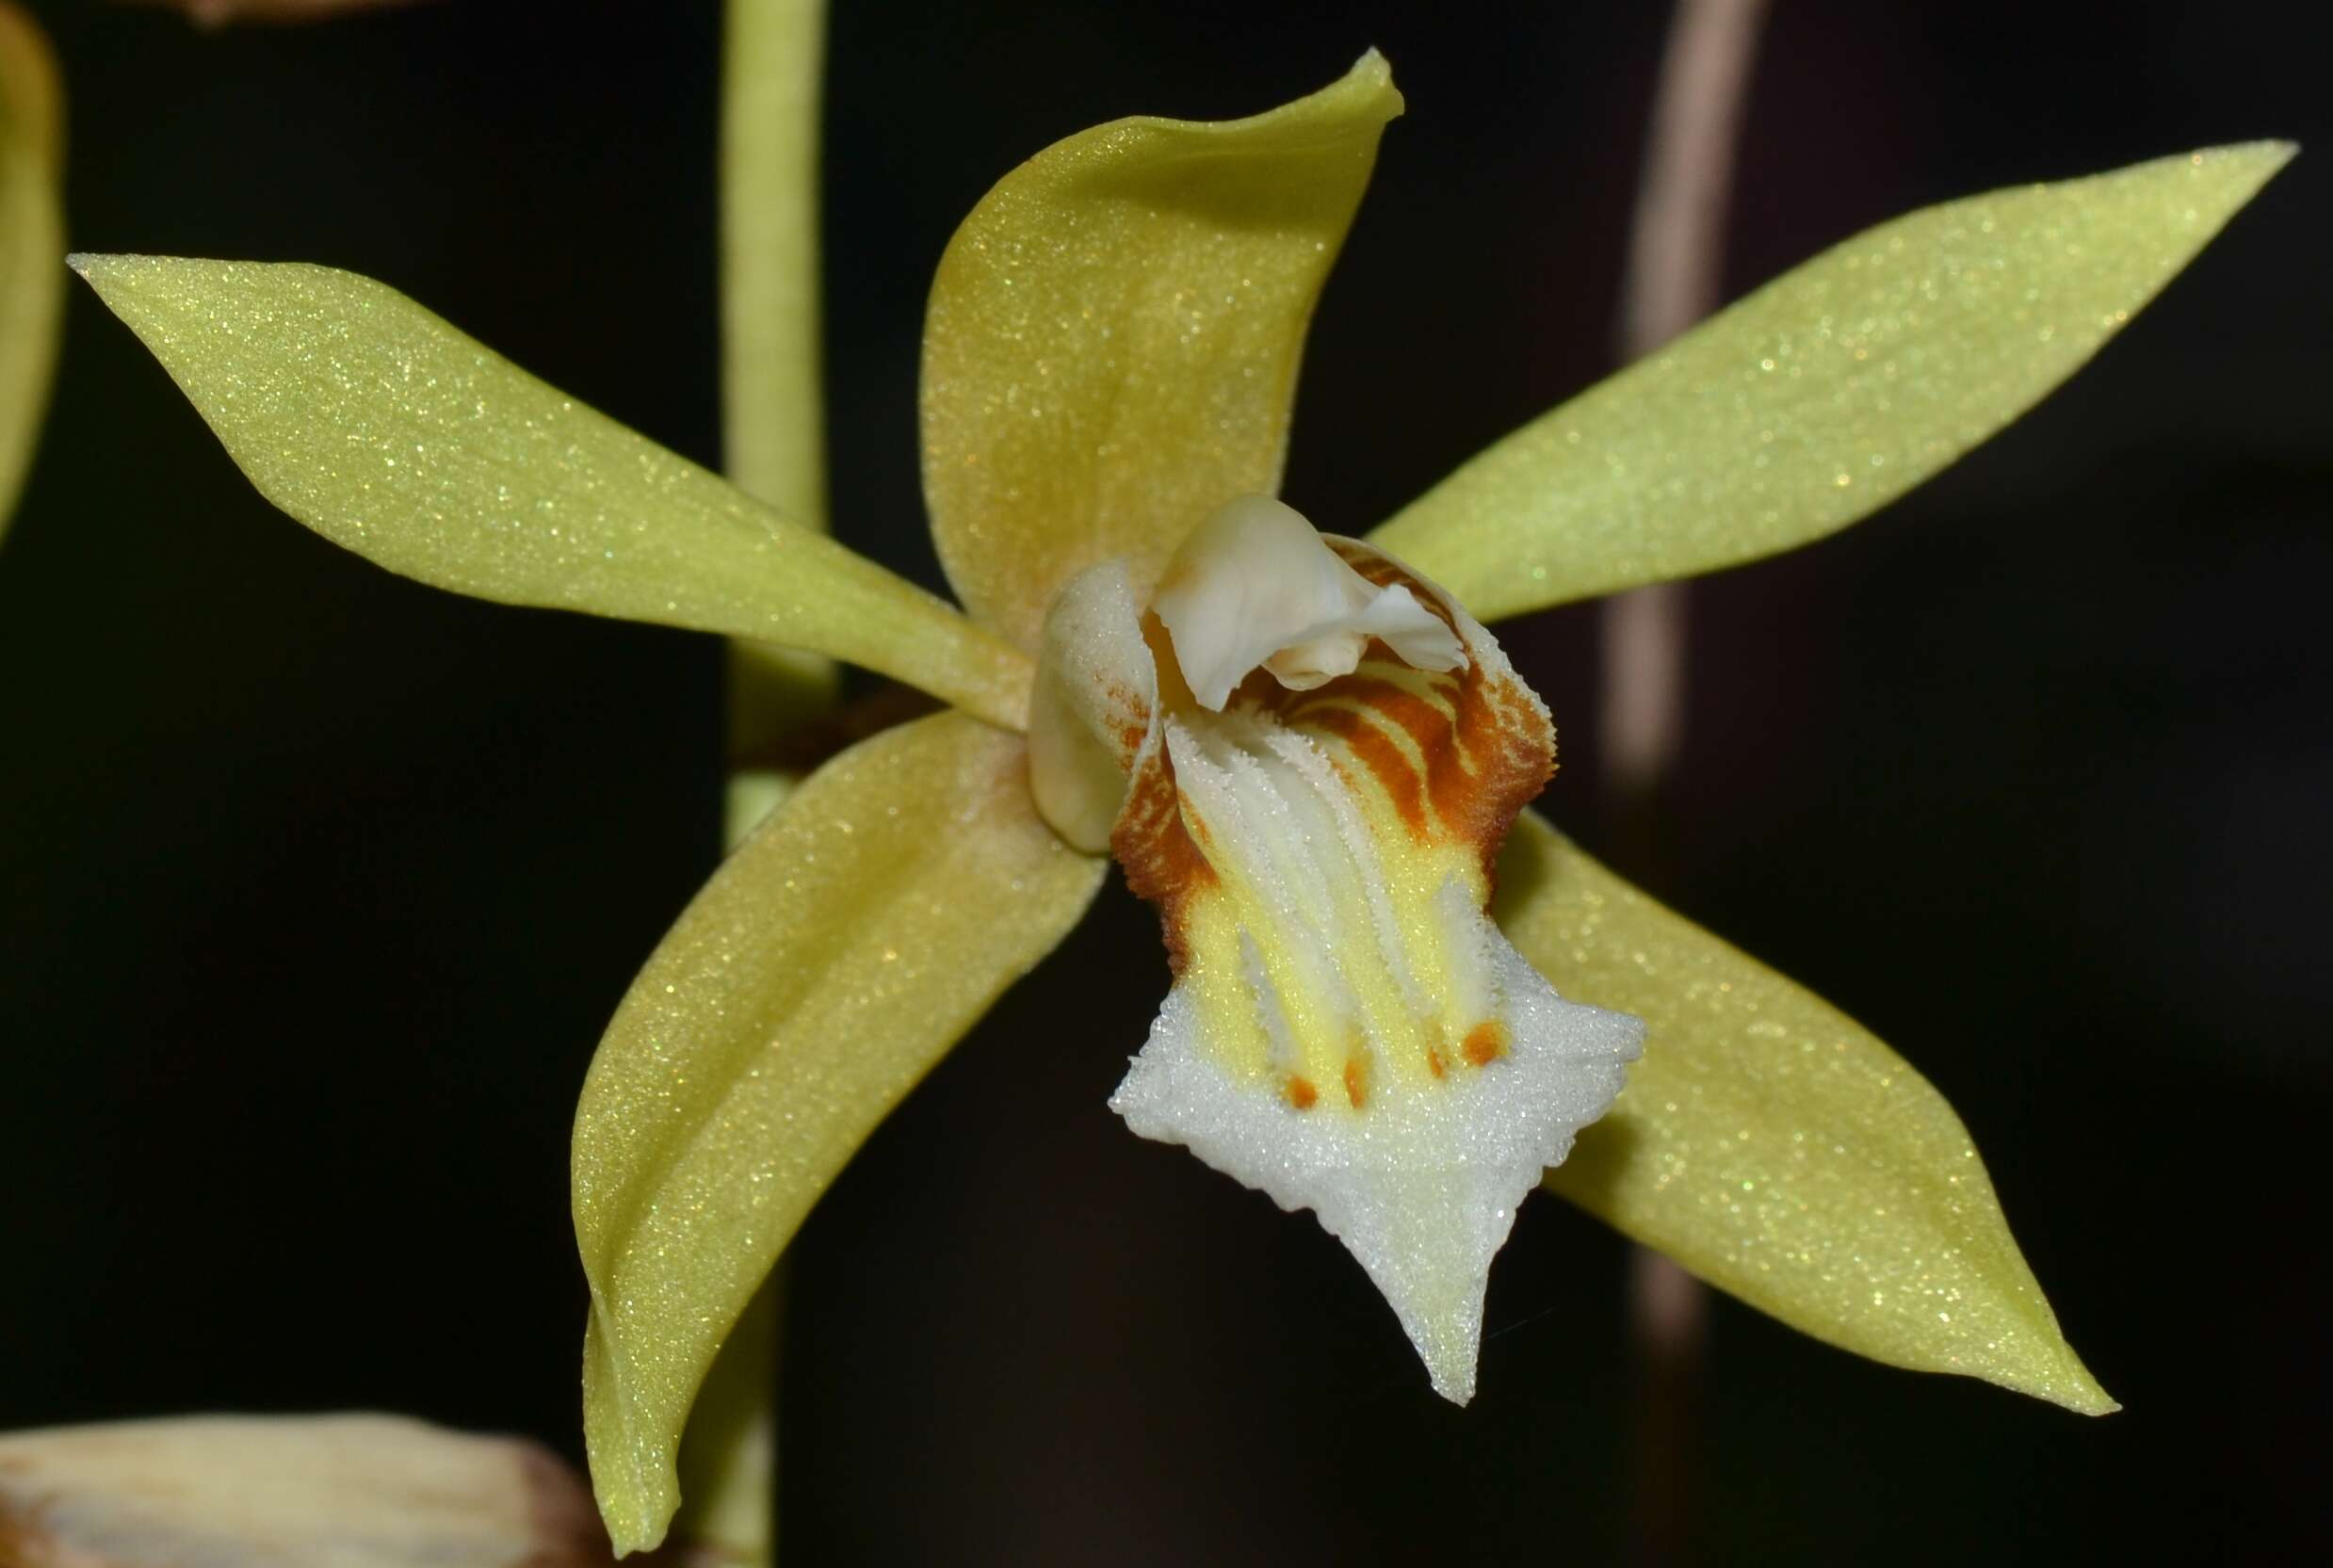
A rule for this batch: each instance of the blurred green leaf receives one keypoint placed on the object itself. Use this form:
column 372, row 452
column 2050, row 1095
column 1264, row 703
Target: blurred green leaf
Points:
column 32, row 242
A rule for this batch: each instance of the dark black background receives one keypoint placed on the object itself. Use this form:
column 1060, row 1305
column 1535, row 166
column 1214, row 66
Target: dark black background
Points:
column 316, row 886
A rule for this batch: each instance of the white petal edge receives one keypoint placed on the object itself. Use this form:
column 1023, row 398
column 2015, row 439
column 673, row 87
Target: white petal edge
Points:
column 1423, row 1191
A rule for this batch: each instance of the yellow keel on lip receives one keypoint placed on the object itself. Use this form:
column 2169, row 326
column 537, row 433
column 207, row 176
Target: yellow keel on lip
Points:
column 1348, row 1032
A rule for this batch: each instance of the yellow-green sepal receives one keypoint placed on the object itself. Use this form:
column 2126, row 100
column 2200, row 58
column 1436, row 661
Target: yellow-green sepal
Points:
column 390, row 432
column 1112, row 342
column 1825, row 394
column 32, row 227
column 836, row 955
column 1776, row 1148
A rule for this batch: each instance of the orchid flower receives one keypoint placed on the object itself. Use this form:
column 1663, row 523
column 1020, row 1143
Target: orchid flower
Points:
column 32, row 290
column 1305, row 747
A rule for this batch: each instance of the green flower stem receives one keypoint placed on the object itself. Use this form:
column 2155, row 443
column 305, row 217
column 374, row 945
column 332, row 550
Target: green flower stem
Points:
column 773, row 426
column 773, row 443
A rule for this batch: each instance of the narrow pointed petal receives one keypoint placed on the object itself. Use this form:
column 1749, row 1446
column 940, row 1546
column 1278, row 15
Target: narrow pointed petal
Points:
column 1824, row 395
column 1778, row 1150
column 392, row 434
column 1114, row 334
column 32, row 284
column 833, row 958
column 351, row 1491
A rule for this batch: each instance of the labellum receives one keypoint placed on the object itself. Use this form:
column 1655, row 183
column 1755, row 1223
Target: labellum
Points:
column 1307, row 756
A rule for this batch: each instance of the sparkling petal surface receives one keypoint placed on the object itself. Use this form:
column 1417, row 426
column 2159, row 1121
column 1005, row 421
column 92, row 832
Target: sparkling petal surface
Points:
column 32, row 286
column 833, row 958
column 1423, row 1188
column 1776, row 1148
column 391, row 433
column 1824, row 395
column 1113, row 341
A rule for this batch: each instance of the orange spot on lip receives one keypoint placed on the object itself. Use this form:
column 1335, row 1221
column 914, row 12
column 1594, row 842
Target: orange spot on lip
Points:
column 1301, row 1093
column 1356, row 1086
column 1485, row 1042
column 1433, row 1061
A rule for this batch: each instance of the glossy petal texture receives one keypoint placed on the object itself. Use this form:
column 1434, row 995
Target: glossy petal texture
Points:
column 389, row 433
column 832, row 958
column 288, row 1492
column 1824, row 394
column 1774, row 1147
column 1348, row 1032
column 1113, row 338
column 32, row 283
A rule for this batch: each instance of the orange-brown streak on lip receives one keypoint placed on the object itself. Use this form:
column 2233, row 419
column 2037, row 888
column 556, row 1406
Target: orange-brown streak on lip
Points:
column 1380, row 570
column 1483, row 762
column 1356, row 1082
column 1151, row 840
column 1163, row 864
column 1383, row 758
column 1514, row 750
column 1480, row 763
column 1501, row 732
column 1511, row 741
column 1450, row 784
column 1301, row 1093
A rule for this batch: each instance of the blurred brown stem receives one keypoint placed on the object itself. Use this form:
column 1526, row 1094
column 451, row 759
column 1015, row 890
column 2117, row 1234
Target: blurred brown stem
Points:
column 1676, row 252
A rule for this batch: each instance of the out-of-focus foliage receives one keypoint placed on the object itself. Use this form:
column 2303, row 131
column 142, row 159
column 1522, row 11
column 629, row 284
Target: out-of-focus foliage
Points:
column 32, row 242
